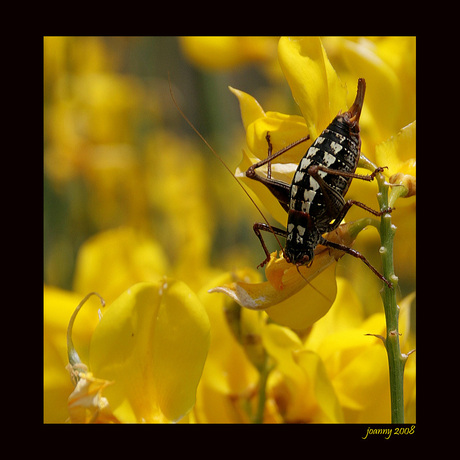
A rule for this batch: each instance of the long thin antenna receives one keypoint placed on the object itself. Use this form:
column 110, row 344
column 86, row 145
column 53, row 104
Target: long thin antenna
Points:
column 221, row 160
column 313, row 287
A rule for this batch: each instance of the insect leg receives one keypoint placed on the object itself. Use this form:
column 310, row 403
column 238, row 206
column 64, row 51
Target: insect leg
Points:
column 335, row 204
column 313, row 170
column 271, row 156
column 347, row 206
column 257, row 227
column 358, row 255
column 279, row 189
column 333, row 200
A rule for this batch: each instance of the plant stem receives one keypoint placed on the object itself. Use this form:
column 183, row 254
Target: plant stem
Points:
column 264, row 371
column 396, row 360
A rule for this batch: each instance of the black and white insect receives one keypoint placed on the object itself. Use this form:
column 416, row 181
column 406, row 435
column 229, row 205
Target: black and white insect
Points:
column 315, row 200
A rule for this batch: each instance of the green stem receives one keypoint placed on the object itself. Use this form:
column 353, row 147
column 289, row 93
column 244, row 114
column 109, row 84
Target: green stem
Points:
column 396, row 360
column 264, row 371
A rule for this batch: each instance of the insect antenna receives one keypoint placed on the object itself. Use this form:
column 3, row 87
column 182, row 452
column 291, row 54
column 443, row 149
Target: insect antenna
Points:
column 223, row 162
column 312, row 286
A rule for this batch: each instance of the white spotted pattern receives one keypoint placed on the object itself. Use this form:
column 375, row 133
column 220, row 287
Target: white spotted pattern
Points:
column 308, row 195
column 299, row 175
column 336, row 147
column 305, row 163
column 328, row 159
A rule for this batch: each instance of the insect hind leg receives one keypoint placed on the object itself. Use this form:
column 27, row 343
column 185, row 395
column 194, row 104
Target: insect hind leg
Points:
column 271, row 156
column 313, row 171
column 279, row 189
column 358, row 255
column 347, row 206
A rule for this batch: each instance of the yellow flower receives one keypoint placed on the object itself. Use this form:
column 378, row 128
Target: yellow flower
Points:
column 320, row 95
column 338, row 371
column 295, row 299
column 228, row 386
column 300, row 386
column 399, row 154
column 150, row 345
column 298, row 389
column 111, row 165
column 284, row 129
column 356, row 363
column 317, row 90
column 222, row 53
column 388, row 65
column 112, row 261
column 314, row 83
column 58, row 308
column 86, row 403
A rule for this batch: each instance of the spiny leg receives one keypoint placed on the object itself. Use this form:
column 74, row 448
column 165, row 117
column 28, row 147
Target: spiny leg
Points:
column 358, row 255
column 348, row 205
column 334, row 199
column 279, row 189
column 313, row 170
column 257, row 227
column 251, row 170
column 269, row 155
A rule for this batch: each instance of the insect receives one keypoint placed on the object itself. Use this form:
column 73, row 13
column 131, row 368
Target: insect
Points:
column 315, row 200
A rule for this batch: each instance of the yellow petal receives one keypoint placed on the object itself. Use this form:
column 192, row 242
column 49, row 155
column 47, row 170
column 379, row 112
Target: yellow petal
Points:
column 58, row 308
column 352, row 358
column 314, row 83
column 222, row 53
column 300, row 310
column 284, row 281
column 383, row 94
column 346, row 313
column 329, row 410
column 111, row 261
column 250, row 109
column 227, row 370
column 284, row 130
column 311, row 395
column 152, row 343
column 287, row 297
column 290, row 298
column 86, row 403
column 398, row 152
column 213, row 53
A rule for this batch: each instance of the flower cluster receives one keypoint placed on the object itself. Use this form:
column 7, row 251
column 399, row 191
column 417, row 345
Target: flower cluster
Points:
column 132, row 213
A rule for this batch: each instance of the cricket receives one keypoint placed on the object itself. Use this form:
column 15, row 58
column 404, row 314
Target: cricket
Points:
column 315, row 199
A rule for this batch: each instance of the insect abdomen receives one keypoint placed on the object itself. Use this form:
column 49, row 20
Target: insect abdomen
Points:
column 336, row 148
